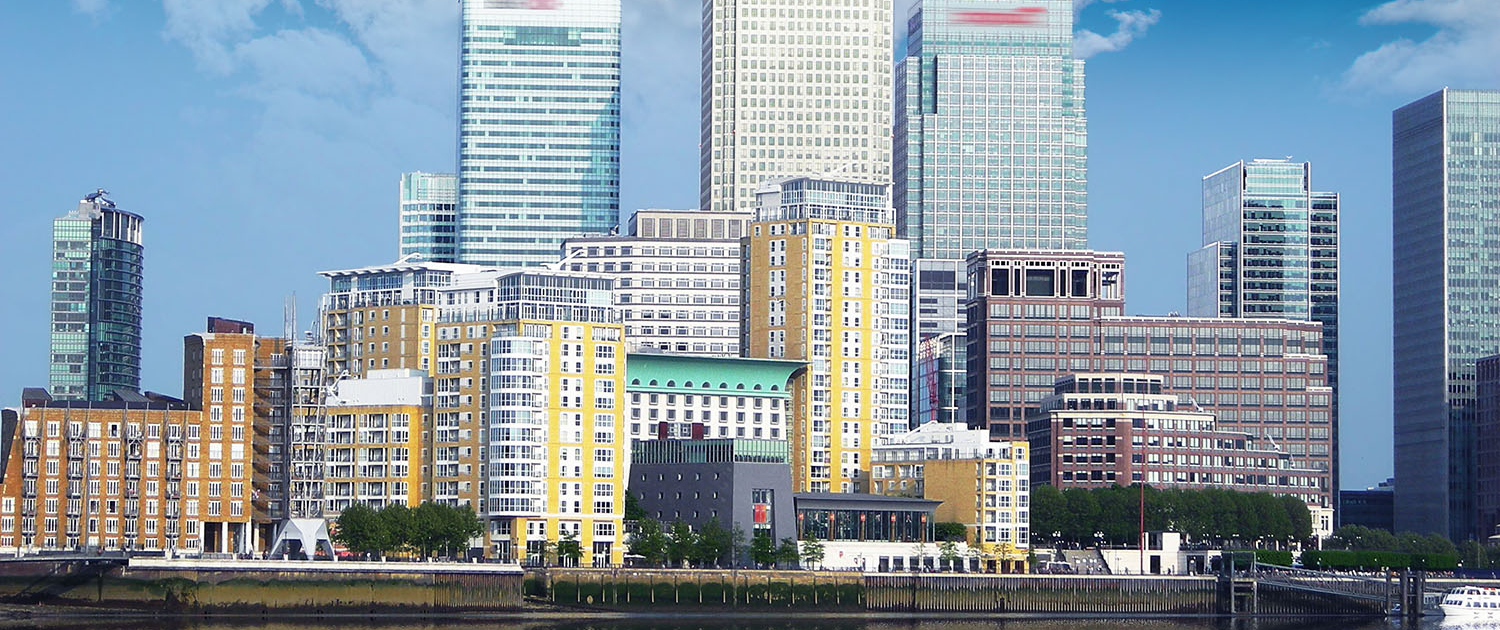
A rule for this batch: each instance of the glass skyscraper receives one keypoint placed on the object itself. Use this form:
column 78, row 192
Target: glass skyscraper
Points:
column 429, row 225
column 1446, row 222
column 96, row 301
column 991, row 141
column 1271, row 250
column 539, row 127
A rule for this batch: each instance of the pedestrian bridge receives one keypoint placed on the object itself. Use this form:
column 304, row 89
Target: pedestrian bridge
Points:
column 1389, row 594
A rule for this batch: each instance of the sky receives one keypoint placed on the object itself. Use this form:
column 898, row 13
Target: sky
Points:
column 263, row 140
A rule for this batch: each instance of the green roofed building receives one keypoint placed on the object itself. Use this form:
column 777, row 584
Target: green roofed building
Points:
column 697, row 397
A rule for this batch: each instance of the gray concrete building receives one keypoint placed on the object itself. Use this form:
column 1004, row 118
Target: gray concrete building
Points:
column 743, row 483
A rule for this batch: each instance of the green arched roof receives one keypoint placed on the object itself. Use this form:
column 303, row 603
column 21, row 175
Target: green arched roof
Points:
column 682, row 374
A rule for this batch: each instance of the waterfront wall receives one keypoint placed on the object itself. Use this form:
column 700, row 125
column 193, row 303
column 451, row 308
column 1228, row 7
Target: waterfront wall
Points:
column 189, row 587
column 627, row 589
column 1042, row 594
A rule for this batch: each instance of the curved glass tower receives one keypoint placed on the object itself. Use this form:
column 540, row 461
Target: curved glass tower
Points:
column 96, row 300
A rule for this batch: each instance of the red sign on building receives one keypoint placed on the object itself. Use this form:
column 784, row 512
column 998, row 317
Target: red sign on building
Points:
column 1023, row 16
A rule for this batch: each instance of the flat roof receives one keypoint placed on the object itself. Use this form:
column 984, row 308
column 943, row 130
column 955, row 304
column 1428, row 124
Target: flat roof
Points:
column 849, row 501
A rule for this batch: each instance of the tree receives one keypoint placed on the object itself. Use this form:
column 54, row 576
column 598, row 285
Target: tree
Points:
column 360, row 530
column 649, row 542
column 1047, row 511
column 399, row 527
column 950, row 531
column 711, row 543
column 787, row 553
column 762, row 549
column 569, row 550
column 811, row 552
column 633, row 511
column 736, row 545
column 682, row 543
column 948, row 551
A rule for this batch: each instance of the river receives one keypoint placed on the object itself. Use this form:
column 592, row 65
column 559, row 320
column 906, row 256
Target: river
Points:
column 721, row 622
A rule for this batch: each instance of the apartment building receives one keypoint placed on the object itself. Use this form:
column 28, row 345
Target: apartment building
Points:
column 826, row 282
column 692, row 397
column 376, row 432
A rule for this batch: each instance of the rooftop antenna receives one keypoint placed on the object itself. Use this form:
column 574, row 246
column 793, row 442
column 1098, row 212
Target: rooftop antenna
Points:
column 289, row 317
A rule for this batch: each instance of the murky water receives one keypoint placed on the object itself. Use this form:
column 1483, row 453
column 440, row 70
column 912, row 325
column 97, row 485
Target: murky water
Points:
column 725, row 622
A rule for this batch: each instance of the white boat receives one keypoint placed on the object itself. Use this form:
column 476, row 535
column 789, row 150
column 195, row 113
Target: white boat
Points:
column 1472, row 602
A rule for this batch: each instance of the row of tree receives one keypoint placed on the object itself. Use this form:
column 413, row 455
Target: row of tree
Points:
column 1112, row 515
column 430, row 529
column 1360, row 538
column 714, row 545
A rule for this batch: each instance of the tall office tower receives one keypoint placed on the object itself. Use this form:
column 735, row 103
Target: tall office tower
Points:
column 991, row 135
column 1445, row 289
column 1035, row 317
column 429, row 219
column 793, row 88
column 939, row 291
column 827, row 282
column 677, row 278
column 1270, row 249
column 539, row 127
column 96, row 300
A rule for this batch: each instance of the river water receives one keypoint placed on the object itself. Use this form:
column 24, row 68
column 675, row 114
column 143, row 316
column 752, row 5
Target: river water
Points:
column 722, row 622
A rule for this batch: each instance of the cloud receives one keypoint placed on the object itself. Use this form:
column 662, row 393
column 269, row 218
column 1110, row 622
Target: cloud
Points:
column 1132, row 24
column 312, row 61
column 95, row 9
column 1461, row 53
column 204, row 27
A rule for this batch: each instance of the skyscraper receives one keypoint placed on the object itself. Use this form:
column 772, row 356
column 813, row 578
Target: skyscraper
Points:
column 793, row 88
column 96, row 300
column 1446, row 287
column 429, row 220
column 539, row 127
column 1270, row 250
column 991, row 140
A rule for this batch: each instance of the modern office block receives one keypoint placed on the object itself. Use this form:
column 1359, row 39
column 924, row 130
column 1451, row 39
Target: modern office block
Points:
column 1445, row 291
column 991, row 135
column 1038, row 316
column 1271, row 249
column 1099, row 430
column 1372, row 507
column 792, row 88
column 539, row 127
column 97, row 258
column 827, row 283
column 744, row 483
column 939, row 388
column 939, row 291
column 429, row 216
column 677, row 278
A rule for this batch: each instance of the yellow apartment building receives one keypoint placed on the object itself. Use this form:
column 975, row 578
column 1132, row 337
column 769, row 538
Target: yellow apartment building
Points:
column 826, row 282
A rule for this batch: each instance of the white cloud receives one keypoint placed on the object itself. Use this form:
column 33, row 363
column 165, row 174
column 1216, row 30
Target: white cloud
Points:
column 1131, row 24
column 313, row 61
column 1462, row 53
column 204, row 27
column 95, row 9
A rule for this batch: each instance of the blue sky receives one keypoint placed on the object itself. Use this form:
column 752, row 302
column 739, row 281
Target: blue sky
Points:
column 263, row 140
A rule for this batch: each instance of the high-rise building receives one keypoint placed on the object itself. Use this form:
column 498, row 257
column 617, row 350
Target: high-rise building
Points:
column 939, row 291
column 1270, row 249
column 827, row 282
column 97, row 257
column 675, row 396
column 1445, row 290
column 429, row 216
column 940, row 380
column 539, row 127
column 1035, row 317
column 991, row 140
column 793, row 88
column 677, row 278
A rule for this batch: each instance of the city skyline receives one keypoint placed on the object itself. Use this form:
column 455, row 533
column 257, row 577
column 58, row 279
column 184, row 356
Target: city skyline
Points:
column 220, row 206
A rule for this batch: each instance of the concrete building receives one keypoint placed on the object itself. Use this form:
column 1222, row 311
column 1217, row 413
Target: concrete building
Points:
column 1038, row 316
column 1119, row 429
column 429, row 216
column 744, row 483
column 1444, row 294
column 991, row 134
column 677, row 278
column 539, row 127
column 825, row 282
column 375, row 444
column 97, row 262
column 692, row 397
column 792, row 89
column 984, row 485
column 1270, row 249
